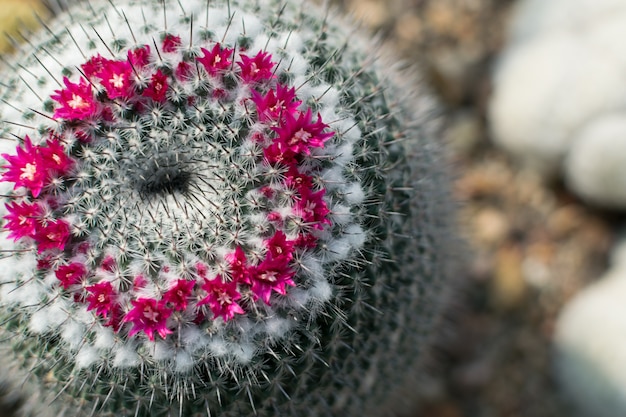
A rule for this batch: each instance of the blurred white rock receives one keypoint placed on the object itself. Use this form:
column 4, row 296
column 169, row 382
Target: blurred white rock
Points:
column 537, row 17
column 564, row 69
column 595, row 167
column 590, row 345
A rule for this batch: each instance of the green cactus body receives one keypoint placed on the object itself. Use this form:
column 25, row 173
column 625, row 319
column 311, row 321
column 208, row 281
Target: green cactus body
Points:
column 216, row 208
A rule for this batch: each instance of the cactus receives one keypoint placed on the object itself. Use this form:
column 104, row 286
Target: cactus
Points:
column 216, row 207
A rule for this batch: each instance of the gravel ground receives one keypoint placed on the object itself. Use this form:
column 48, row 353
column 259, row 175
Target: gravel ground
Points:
column 533, row 245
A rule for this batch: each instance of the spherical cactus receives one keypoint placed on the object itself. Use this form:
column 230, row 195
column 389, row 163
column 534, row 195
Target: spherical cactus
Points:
column 217, row 207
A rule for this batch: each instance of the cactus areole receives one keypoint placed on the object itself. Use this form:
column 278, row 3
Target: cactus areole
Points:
column 214, row 208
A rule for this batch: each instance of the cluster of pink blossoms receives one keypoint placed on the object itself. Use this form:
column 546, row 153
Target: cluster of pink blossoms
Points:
column 40, row 173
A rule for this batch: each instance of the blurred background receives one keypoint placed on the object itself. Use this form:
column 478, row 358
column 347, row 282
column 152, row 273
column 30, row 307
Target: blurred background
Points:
column 534, row 242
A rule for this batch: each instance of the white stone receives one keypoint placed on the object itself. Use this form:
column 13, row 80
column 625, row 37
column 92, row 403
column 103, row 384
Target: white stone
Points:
column 547, row 88
column 590, row 347
column 595, row 167
column 537, row 17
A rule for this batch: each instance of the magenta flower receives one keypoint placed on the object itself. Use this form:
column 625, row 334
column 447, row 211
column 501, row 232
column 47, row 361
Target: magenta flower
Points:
column 139, row 57
column 171, row 43
column 109, row 263
column 271, row 275
column 295, row 180
column 157, row 88
column 54, row 235
column 27, row 168
column 239, row 269
column 274, row 217
column 55, row 159
column 258, row 68
column 117, row 79
column 102, row 298
column 312, row 208
column 274, row 104
column 23, row 219
column 93, row 67
column 279, row 247
column 71, row 274
column 76, row 100
column 149, row 316
column 301, row 134
column 178, row 295
column 202, row 270
column 221, row 298
column 216, row 60
column 139, row 282
column 306, row 240
column 279, row 153
column 183, row 70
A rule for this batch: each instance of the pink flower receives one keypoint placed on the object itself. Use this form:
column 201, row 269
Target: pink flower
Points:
column 312, row 208
column 221, row 298
column 148, row 316
column 267, row 191
column 183, row 70
column 202, row 270
column 178, row 294
column 108, row 263
column 239, row 269
column 306, row 240
column 258, row 68
column 103, row 298
column 23, row 219
column 171, row 43
column 271, row 275
column 71, row 274
column 157, row 88
column 54, row 235
column 274, row 217
column 139, row 57
column 295, row 180
column 76, row 100
column 55, row 159
column 274, row 104
column 93, row 67
column 116, row 78
column 139, row 282
column 279, row 247
column 216, row 60
column 27, row 168
column 279, row 153
column 301, row 134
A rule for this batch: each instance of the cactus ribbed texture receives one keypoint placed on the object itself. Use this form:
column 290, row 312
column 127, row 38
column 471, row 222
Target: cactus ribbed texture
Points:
column 227, row 208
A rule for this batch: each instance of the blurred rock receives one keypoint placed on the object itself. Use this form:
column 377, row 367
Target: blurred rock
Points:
column 547, row 88
column 595, row 167
column 590, row 347
column 491, row 226
column 565, row 220
column 538, row 17
column 508, row 288
column 556, row 90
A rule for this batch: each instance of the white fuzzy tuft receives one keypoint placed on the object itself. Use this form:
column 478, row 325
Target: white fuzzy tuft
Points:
column 86, row 356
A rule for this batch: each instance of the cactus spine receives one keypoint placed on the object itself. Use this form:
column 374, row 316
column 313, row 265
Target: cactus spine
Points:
column 215, row 208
